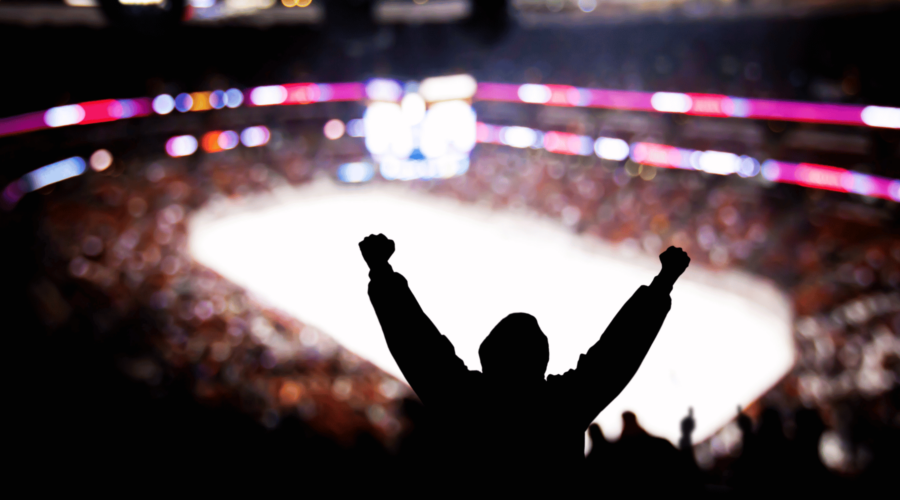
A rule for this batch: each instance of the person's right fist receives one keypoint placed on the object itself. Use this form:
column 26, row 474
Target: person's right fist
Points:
column 674, row 261
column 376, row 249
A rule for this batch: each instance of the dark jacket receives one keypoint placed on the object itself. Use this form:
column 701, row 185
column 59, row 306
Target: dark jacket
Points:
column 482, row 422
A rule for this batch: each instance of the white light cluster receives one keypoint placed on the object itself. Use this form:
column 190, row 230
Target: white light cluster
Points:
column 535, row 94
column 520, row 137
column 61, row 116
column 611, row 149
column 671, row 102
column 268, row 95
column 393, row 169
column 880, row 116
column 412, row 140
column 445, row 88
column 385, row 130
column 448, row 128
column 181, row 145
column 716, row 162
column 383, row 90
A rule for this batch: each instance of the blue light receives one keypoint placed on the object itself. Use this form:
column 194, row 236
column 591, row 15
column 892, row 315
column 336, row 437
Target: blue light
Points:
column 355, row 172
column 233, row 98
column 355, row 128
column 55, row 172
column 129, row 108
column 252, row 137
column 217, row 99
column 184, row 102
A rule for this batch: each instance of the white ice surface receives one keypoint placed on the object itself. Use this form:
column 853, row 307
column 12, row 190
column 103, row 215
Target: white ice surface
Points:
column 726, row 340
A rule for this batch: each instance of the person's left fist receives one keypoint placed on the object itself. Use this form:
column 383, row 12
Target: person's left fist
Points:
column 376, row 250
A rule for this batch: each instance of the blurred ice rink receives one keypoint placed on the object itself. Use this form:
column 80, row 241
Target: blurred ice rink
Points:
column 725, row 342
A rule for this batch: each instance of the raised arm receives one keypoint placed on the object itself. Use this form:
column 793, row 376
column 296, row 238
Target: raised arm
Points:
column 611, row 363
column 426, row 358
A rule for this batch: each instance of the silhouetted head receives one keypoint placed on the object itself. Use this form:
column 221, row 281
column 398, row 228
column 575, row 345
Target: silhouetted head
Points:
column 516, row 349
column 809, row 426
column 630, row 425
column 597, row 436
column 770, row 426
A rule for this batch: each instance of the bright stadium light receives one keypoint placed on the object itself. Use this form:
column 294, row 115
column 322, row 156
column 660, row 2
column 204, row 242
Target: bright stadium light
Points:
column 535, row 94
column 381, row 89
column 518, row 137
column 880, row 116
column 445, row 88
column 268, row 95
column 62, row 116
column 449, row 127
column 182, row 145
column 385, row 130
column 671, row 102
column 413, row 107
column 719, row 163
column 726, row 341
column 611, row 149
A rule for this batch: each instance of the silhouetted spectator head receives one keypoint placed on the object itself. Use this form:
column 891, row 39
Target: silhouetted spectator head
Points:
column 630, row 425
column 745, row 423
column 770, row 425
column 516, row 349
column 597, row 437
column 809, row 425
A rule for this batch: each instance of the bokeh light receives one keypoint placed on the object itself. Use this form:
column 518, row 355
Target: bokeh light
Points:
column 252, row 137
column 163, row 104
column 101, row 160
column 181, row 145
column 334, row 129
column 184, row 102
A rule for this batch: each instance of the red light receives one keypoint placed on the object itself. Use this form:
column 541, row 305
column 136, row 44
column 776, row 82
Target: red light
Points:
column 820, row 176
column 708, row 104
column 657, row 155
column 302, row 93
column 558, row 142
column 210, row 142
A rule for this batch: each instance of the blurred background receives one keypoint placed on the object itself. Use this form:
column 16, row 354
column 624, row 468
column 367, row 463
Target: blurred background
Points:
column 762, row 136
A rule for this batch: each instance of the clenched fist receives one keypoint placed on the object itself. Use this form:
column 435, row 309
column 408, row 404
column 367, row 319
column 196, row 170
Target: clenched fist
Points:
column 674, row 261
column 376, row 249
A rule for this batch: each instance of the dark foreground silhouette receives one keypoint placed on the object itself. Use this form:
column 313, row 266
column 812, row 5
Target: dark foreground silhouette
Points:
column 481, row 417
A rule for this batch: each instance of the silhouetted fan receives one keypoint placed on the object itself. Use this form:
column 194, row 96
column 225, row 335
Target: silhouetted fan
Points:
column 510, row 421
